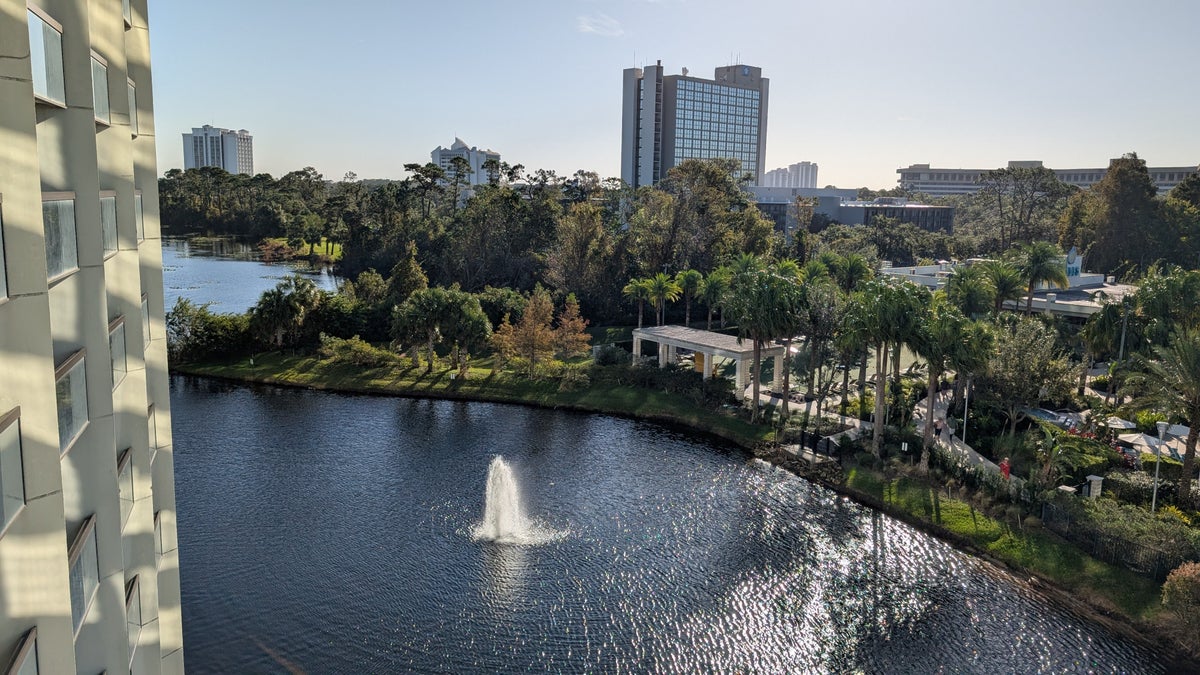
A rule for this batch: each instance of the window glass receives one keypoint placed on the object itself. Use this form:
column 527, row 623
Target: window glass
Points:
column 116, row 347
column 3, row 270
column 100, row 90
column 26, row 660
column 12, row 474
column 137, row 215
column 108, row 223
column 151, row 428
column 145, row 322
column 133, row 117
column 58, row 219
column 85, row 574
column 71, row 394
column 125, row 12
column 158, row 542
column 125, row 485
column 133, row 615
column 45, row 51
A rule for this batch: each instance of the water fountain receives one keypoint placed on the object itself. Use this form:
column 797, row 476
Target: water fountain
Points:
column 504, row 519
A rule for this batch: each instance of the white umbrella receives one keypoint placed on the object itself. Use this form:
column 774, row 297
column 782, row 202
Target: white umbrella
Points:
column 1115, row 422
column 1139, row 439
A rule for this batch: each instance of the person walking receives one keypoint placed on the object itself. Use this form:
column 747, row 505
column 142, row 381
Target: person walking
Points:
column 1005, row 468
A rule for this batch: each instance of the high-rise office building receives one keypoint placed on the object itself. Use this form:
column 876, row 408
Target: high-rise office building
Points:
column 666, row 119
column 213, row 146
column 89, row 572
column 474, row 157
column 799, row 175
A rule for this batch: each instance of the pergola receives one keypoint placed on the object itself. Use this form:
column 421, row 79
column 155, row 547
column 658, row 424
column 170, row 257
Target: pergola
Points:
column 707, row 345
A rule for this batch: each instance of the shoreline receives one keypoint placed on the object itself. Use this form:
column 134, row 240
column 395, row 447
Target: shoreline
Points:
column 1110, row 618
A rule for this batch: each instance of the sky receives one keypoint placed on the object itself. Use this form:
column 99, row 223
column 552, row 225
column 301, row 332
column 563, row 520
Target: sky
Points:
column 860, row 87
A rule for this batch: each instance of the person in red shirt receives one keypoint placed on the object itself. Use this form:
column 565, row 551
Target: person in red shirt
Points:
column 1005, row 468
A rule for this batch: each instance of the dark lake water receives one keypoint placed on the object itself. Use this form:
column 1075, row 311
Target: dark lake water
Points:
column 225, row 273
column 332, row 533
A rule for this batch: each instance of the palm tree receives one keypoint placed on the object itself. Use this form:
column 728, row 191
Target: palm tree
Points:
column 1041, row 262
column 758, row 298
column 272, row 316
column 970, row 290
column 1172, row 384
column 713, row 290
column 790, row 318
column 938, row 338
column 639, row 291
column 420, row 319
column 873, row 311
column 851, row 270
column 1006, row 282
column 662, row 289
column 689, row 283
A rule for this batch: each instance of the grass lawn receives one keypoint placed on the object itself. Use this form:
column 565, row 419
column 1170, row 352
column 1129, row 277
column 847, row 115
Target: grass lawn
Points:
column 484, row 385
column 335, row 249
column 1036, row 550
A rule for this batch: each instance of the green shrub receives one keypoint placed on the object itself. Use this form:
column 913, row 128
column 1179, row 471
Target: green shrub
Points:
column 1100, row 383
column 355, row 351
column 1147, row 421
column 194, row 333
column 1170, row 470
column 1181, row 596
column 612, row 355
column 1136, row 487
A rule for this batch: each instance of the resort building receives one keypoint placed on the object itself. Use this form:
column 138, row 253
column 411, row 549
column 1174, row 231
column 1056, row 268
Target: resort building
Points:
column 1085, row 294
column 89, row 572
column 212, row 146
column 943, row 182
column 475, row 158
column 666, row 119
column 799, row 175
column 788, row 207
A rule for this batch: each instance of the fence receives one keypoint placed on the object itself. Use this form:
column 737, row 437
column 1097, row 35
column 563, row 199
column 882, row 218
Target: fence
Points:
column 1133, row 555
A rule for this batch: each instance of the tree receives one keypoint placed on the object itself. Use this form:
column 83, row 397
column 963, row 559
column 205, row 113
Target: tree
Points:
column 688, row 282
column 1188, row 190
column 1120, row 228
column 1026, row 201
column 464, row 325
column 661, row 289
column 939, row 337
column 638, row 290
column 1025, row 368
column 1181, row 595
column 1041, row 262
column 1171, row 382
column 533, row 339
column 570, row 336
column 419, row 319
column 757, row 298
column 279, row 316
column 1005, row 281
column 969, row 289
column 713, row 291
column 406, row 277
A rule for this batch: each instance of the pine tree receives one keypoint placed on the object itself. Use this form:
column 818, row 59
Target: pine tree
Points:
column 571, row 338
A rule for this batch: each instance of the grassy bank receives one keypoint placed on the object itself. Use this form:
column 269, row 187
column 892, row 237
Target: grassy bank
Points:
column 481, row 384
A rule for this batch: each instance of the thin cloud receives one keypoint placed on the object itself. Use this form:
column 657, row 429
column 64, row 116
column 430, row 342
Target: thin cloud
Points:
column 600, row 24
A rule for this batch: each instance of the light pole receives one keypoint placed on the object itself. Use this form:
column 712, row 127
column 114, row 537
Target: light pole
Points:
column 966, row 407
column 1162, row 431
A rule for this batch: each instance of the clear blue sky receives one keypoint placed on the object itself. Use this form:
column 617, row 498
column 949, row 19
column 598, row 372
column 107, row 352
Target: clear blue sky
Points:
column 859, row 87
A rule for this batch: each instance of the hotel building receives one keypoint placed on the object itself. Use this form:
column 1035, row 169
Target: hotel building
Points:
column 943, row 182
column 225, row 148
column 666, row 119
column 798, row 175
column 474, row 157
column 89, row 571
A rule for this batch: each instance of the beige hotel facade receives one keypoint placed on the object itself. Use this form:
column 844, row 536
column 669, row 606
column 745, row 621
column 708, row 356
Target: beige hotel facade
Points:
column 89, row 571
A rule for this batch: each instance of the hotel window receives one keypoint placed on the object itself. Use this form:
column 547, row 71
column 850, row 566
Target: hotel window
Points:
column 84, row 562
column 45, row 52
column 100, row 88
column 108, row 221
column 145, row 321
column 158, row 540
column 139, row 224
column 25, row 658
column 133, row 615
column 116, row 348
column 133, row 117
column 127, row 13
column 58, row 220
column 12, row 471
column 70, row 392
column 125, row 485
column 3, row 265
column 151, row 427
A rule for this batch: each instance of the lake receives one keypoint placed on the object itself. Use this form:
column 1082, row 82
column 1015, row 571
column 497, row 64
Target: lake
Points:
column 335, row 534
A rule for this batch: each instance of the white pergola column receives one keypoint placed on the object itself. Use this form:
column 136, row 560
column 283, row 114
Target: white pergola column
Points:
column 708, row 365
column 637, row 350
column 741, row 378
column 662, row 354
column 777, row 383
column 672, row 354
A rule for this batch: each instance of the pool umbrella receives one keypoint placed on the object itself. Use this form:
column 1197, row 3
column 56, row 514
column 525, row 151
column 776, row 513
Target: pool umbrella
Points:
column 1140, row 440
column 1115, row 422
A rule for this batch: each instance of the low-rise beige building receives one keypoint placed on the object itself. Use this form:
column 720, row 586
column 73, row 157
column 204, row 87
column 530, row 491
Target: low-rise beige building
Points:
column 89, row 572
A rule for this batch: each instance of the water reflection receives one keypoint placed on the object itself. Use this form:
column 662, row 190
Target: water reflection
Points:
column 683, row 557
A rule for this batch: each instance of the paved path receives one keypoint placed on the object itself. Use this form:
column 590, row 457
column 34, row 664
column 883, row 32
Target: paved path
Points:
column 953, row 444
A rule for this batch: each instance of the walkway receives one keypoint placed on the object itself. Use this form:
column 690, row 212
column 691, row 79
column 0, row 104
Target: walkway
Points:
column 960, row 451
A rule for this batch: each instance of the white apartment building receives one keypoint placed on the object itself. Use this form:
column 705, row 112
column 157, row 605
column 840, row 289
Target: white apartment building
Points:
column 213, row 146
column 942, row 182
column 475, row 157
column 667, row 119
column 798, row 175
column 89, row 571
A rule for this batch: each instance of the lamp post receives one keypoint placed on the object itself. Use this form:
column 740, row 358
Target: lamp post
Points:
column 1162, row 431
